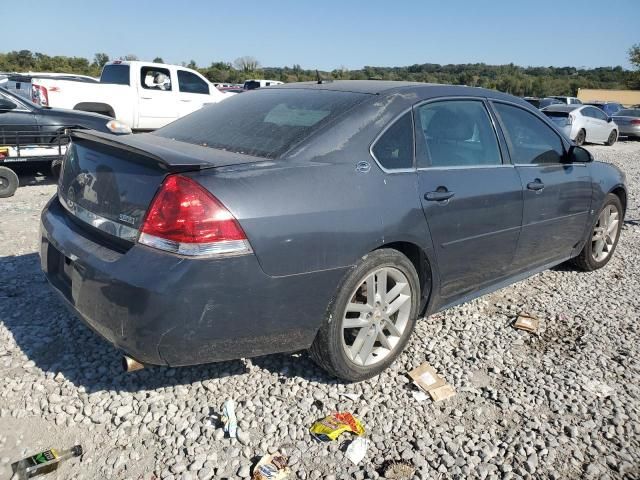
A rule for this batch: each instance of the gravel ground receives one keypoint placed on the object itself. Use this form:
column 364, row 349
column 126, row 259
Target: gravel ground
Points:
column 559, row 404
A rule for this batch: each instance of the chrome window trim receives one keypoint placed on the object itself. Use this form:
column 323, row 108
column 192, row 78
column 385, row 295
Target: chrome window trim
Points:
column 24, row 109
column 383, row 131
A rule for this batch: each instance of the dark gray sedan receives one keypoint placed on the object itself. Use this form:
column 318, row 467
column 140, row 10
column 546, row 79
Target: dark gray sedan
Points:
column 628, row 120
column 325, row 216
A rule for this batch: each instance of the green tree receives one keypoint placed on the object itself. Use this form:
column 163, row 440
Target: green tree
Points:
column 100, row 59
column 634, row 59
column 158, row 60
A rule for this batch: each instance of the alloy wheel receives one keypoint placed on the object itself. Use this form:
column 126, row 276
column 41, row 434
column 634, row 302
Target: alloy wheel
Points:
column 376, row 316
column 605, row 233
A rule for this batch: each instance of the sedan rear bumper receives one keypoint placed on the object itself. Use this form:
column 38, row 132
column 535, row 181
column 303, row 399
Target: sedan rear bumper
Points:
column 170, row 310
column 629, row 130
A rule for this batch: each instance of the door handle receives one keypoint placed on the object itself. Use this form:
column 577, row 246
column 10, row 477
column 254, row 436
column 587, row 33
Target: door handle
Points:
column 184, row 100
column 146, row 98
column 438, row 195
column 536, row 186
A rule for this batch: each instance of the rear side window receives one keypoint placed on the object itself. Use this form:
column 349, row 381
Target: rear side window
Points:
column 191, row 83
column 530, row 140
column 456, row 133
column 115, row 74
column 265, row 123
column 599, row 114
column 394, row 149
column 154, row 78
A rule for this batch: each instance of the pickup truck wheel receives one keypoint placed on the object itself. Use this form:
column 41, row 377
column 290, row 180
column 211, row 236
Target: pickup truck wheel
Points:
column 371, row 317
column 603, row 236
column 8, row 182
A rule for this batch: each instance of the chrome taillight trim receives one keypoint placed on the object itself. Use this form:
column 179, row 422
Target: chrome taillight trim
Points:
column 213, row 249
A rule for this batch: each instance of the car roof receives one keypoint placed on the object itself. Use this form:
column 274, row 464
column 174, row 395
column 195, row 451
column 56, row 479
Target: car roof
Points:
column 373, row 87
column 562, row 108
column 386, row 87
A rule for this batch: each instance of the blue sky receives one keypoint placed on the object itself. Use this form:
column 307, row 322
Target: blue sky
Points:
column 327, row 34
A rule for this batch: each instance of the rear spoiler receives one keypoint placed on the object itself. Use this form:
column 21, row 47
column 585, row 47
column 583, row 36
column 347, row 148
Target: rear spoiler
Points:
column 119, row 142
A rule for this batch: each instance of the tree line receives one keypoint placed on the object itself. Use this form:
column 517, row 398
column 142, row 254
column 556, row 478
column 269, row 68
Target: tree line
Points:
column 517, row 80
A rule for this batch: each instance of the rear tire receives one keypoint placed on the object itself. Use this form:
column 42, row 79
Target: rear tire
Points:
column 603, row 236
column 613, row 138
column 581, row 137
column 8, row 182
column 359, row 337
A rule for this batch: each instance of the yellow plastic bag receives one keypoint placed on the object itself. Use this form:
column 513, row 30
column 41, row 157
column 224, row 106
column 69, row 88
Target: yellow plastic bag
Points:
column 331, row 427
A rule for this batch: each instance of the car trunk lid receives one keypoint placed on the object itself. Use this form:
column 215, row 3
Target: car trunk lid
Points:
column 108, row 182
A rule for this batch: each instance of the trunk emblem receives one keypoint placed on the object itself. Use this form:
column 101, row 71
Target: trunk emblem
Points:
column 363, row 167
column 127, row 219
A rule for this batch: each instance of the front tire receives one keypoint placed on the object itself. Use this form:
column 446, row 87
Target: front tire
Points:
column 370, row 319
column 603, row 236
column 8, row 182
column 613, row 138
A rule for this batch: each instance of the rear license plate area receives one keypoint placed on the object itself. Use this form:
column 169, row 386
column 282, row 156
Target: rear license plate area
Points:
column 60, row 269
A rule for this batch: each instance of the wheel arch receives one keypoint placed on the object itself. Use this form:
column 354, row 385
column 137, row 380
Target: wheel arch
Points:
column 96, row 107
column 423, row 265
column 621, row 193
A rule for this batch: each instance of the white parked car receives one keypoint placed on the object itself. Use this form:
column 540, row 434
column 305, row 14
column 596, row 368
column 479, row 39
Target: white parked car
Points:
column 143, row 95
column 257, row 83
column 583, row 123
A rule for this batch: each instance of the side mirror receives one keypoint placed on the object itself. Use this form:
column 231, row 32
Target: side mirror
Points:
column 578, row 154
column 6, row 104
column 609, row 119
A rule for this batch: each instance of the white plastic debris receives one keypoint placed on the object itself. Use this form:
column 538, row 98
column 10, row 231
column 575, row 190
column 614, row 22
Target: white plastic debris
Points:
column 419, row 396
column 351, row 396
column 357, row 450
column 229, row 418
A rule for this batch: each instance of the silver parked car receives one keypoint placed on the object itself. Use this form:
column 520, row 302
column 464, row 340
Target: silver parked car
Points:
column 583, row 123
column 628, row 121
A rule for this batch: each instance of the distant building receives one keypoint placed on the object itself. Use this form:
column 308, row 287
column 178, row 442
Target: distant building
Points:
column 625, row 97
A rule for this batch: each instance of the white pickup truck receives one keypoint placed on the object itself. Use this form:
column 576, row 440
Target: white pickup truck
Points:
column 143, row 95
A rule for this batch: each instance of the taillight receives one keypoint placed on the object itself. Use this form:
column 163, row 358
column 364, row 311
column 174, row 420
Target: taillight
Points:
column 570, row 120
column 186, row 219
column 39, row 95
column 635, row 122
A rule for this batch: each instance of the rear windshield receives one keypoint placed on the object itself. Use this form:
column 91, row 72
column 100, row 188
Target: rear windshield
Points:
column 265, row 123
column 545, row 102
column 556, row 114
column 118, row 74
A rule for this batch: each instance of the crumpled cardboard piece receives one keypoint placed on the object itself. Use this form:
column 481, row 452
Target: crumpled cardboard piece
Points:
column 527, row 322
column 426, row 377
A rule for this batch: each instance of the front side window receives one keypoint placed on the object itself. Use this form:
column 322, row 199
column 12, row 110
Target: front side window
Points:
column 599, row 114
column 455, row 133
column 153, row 78
column 394, row 149
column 530, row 140
column 191, row 83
